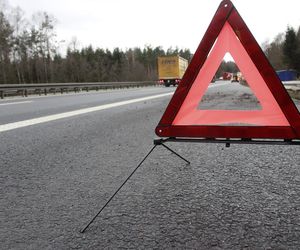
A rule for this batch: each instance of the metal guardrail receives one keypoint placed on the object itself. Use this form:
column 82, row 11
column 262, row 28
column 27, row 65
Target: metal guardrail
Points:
column 45, row 88
column 293, row 88
column 292, row 83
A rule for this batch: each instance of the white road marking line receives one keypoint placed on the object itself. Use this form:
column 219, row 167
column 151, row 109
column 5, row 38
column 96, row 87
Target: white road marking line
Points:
column 25, row 123
column 30, row 122
column 14, row 103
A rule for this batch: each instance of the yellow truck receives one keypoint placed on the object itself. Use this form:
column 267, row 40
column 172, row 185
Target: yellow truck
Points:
column 171, row 69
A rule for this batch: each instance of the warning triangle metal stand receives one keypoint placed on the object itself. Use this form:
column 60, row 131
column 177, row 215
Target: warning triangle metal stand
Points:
column 161, row 142
column 156, row 143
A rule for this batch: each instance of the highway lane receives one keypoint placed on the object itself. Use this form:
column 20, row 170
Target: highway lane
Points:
column 16, row 109
column 56, row 175
column 19, row 114
column 46, row 169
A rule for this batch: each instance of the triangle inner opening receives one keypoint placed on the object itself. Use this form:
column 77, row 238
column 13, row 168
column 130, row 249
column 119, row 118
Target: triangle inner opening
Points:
column 229, row 90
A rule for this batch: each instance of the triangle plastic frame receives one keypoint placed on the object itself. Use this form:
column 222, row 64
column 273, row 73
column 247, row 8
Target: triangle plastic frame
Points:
column 227, row 13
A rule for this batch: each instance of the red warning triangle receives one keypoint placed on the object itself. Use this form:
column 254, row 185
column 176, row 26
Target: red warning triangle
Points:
column 279, row 117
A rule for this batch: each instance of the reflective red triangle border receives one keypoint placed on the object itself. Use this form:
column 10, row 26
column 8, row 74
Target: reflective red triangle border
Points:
column 228, row 13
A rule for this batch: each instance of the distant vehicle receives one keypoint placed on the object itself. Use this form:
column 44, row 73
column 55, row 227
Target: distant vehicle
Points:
column 236, row 77
column 287, row 75
column 171, row 69
column 227, row 76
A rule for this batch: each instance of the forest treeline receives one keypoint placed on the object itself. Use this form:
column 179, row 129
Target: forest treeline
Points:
column 30, row 53
column 284, row 51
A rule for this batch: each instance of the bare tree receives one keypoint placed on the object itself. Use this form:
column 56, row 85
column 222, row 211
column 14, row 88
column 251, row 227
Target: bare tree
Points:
column 274, row 52
column 44, row 25
column 5, row 47
column 19, row 24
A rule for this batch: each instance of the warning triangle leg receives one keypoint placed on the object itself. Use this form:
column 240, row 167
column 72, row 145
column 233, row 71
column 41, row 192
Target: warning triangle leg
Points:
column 161, row 142
column 117, row 191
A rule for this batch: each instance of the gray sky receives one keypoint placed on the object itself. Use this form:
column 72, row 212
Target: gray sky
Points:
column 135, row 23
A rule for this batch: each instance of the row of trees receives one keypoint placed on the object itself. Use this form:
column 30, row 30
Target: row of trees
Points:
column 284, row 51
column 26, row 51
column 88, row 64
column 228, row 66
column 29, row 53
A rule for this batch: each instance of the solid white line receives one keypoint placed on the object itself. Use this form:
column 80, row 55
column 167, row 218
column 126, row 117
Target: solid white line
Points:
column 30, row 122
column 21, row 124
column 14, row 103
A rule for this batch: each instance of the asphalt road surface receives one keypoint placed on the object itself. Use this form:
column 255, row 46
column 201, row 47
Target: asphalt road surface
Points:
column 63, row 156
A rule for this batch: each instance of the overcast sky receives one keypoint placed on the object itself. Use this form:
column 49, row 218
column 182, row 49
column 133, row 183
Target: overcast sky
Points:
column 135, row 23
